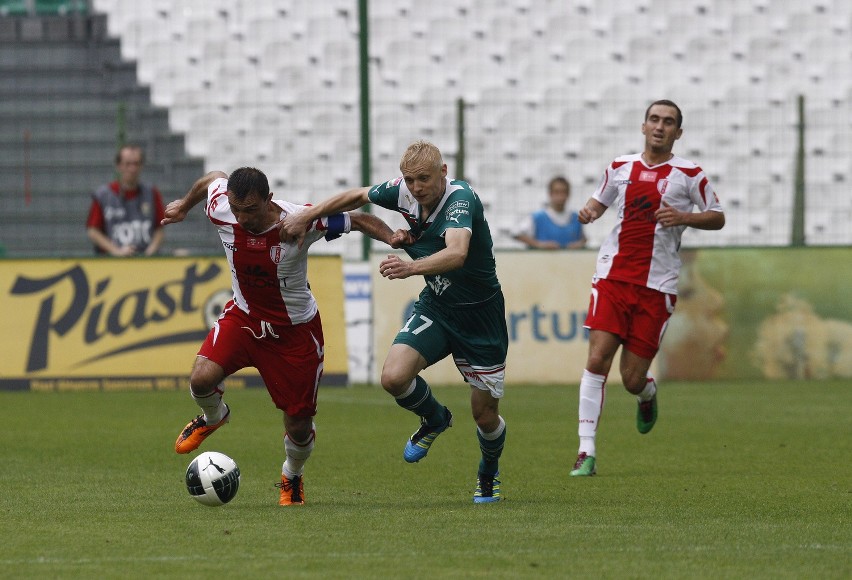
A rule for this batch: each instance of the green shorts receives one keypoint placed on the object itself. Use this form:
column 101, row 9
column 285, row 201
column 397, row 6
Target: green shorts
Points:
column 477, row 338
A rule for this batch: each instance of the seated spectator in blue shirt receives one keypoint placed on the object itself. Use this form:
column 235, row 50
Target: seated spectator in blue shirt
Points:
column 555, row 227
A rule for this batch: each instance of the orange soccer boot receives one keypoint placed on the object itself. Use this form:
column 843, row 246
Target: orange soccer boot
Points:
column 292, row 490
column 197, row 431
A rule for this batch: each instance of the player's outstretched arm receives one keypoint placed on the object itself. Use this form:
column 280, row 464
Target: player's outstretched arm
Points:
column 402, row 238
column 294, row 226
column 372, row 226
column 176, row 210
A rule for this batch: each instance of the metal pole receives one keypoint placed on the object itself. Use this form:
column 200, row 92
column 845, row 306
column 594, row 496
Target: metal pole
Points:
column 364, row 55
column 798, row 237
column 460, row 138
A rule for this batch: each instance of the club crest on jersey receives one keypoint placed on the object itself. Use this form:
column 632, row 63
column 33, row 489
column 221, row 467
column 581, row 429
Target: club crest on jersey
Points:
column 650, row 176
column 255, row 243
column 276, row 253
column 438, row 284
column 662, row 185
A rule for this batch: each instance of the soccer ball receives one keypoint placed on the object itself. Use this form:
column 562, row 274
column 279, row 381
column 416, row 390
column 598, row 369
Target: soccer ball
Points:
column 213, row 478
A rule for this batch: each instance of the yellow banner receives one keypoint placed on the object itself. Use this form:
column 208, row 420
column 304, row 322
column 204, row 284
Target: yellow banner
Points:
column 132, row 323
column 547, row 295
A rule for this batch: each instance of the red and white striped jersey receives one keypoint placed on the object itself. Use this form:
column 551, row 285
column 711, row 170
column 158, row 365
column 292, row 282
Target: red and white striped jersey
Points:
column 639, row 250
column 269, row 277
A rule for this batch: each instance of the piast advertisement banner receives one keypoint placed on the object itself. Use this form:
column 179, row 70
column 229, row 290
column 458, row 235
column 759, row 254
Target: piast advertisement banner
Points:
column 105, row 323
column 776, row 313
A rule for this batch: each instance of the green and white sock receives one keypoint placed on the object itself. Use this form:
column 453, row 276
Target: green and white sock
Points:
column 491, row 446
column 419, row 400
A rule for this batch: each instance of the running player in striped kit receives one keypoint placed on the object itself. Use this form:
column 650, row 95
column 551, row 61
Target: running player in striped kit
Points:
column 272, row 323
column 634, row 288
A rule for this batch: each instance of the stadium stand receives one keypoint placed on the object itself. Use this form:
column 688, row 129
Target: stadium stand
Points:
column 549, row 87
column 66, row 95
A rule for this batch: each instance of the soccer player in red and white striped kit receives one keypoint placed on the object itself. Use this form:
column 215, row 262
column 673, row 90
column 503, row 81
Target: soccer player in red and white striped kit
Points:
column 272, row 322
column 634, row 288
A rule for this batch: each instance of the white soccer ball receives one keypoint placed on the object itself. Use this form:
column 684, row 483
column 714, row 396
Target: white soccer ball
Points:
column 213, row 478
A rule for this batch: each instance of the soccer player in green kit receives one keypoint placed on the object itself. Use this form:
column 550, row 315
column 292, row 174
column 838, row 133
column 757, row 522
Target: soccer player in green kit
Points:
column 460, row 312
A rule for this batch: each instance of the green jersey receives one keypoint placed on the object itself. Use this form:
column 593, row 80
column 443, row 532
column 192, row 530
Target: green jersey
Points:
column 460, row 207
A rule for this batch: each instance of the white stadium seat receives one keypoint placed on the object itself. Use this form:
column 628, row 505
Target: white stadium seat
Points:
column 561, row 83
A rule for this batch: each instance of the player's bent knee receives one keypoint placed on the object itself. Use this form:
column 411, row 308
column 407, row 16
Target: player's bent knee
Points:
column 485, row 410
column 634, row 383
column 206, row 376
column 201, row 385
column 299, row 428
column 598, row 364
column 395, row 383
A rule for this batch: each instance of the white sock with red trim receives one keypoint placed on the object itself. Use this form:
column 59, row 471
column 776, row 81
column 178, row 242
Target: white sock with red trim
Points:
column 211, row 404
column 649, row 391
column 592, row 395
column 297, row 453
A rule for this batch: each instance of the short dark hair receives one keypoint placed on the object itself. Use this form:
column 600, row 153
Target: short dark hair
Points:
column 560, row 180
column 132, row 146
column 247, row 180
column 667, row 103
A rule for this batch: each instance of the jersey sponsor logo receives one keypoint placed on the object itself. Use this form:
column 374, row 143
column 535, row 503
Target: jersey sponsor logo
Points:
column 662, row 186
column 454, row 215
column 650, row 176
column 460, row 204
column 254, row 276
column 640, row 209
column 456, row 210
column 255, row 243
column 131, row 233
column 276, row 254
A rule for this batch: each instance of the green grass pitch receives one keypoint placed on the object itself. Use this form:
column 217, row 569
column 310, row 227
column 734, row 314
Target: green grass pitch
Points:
column 737, row 480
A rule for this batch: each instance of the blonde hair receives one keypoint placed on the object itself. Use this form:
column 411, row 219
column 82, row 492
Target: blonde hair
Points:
column 421, row 153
